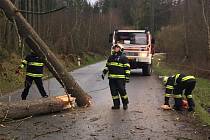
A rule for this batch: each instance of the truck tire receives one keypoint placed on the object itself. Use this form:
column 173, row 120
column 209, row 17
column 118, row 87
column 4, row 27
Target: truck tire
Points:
column 147, row 70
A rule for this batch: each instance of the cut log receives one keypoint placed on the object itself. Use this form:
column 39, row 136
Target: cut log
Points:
column 33, row 40
column 28, row 108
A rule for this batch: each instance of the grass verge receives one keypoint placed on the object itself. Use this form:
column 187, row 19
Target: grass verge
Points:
column 201, row 94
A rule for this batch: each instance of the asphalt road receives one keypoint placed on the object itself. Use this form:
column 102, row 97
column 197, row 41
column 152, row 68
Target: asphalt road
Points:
column 144, row 120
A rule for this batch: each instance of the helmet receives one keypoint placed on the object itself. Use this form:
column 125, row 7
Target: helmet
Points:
column 118, row 46
column 165, row 79
column 121, row 46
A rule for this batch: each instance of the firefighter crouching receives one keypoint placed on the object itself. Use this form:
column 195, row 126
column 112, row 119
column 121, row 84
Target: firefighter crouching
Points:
column 118, row 70
column 175, row 85
column 34, row 72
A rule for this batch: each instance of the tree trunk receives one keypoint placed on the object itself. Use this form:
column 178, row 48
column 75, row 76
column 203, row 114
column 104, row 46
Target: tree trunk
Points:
column 38, row 46
column 28, row 108
column 186, row 24
column 205, row 17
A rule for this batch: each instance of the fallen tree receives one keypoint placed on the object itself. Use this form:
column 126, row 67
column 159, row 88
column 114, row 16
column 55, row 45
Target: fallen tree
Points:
column 21, row 109
column 33, row 40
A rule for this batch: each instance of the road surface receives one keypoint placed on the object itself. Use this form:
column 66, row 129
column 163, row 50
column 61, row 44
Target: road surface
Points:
column 144, row 120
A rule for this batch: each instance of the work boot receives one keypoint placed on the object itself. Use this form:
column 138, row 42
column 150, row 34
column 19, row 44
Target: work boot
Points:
column 46, row 96
column 125, row 107
column 115, row 107
column 23, row 98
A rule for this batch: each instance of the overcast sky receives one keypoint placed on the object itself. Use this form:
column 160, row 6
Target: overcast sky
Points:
column 92, row 1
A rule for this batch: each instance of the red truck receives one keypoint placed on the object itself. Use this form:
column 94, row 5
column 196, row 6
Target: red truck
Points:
column 138, row 46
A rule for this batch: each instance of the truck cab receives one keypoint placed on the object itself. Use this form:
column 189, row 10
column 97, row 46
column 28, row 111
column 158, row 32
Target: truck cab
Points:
column 138, row 46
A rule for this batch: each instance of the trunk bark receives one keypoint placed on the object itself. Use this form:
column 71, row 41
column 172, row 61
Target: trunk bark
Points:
column 33, row 40
column 28, row 108
column 205, row 17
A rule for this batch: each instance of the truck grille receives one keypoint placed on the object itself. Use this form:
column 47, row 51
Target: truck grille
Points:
column 131, row 53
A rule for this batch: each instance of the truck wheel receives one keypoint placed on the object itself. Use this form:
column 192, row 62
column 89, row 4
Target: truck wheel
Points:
column 147, row 70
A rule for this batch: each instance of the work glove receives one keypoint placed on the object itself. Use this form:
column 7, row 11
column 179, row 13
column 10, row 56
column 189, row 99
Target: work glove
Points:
column 105, row 72
column 102, row 76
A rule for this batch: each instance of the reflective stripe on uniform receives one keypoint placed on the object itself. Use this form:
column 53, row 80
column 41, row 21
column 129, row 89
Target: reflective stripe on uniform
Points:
column 124, row 97
column 21, row 66
column 167, row 95
column 115, row 64
column 127, row 71
column 177, row 96
column 169, row 87
column 34, row 75
column 35, row 64
column 189, row 96
column 127, row 65
column 176, row 77
column 116, row 76
column 115, row 97
column 24, row 62
column 187, row 78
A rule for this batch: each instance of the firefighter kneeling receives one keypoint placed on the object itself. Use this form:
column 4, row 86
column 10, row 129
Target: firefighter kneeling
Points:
column 118, row 70
column 176, row 84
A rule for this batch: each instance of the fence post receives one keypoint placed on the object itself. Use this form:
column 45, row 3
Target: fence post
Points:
column 79, row 61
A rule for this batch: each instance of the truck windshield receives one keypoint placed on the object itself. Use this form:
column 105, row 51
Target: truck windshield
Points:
column 132, row 38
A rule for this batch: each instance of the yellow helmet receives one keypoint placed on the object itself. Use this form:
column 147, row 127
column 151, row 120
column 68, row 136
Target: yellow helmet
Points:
column 165, row 79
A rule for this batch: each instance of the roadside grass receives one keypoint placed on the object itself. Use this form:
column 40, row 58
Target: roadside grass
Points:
column 9, row 81
column 201, row 94
column 91, row 59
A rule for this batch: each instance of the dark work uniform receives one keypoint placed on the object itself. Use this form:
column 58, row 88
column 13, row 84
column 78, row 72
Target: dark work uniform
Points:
column 176, row 85
column 118, row 70
column 34, row 72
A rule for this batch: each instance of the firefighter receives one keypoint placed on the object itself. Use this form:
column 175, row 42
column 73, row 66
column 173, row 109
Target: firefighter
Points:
column 34, row 72
column 175, row 85
column 118, row 70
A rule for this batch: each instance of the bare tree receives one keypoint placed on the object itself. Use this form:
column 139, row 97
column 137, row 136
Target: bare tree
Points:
column 205, row 17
